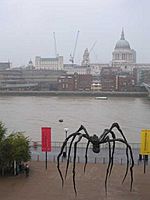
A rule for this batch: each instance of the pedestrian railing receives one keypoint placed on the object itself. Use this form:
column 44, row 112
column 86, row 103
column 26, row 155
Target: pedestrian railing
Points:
column 102, row 157
column 55, row 144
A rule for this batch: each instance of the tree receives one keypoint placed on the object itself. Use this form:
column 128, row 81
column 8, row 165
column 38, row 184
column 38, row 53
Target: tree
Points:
column 2, row 145
column 13, row 148
column 2, row 131
column 20, row 147
column 6, row 150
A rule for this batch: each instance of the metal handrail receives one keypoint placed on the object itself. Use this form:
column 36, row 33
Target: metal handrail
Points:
column 58, row 144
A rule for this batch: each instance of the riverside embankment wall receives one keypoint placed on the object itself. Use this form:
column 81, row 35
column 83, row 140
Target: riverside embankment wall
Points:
column 73, row 93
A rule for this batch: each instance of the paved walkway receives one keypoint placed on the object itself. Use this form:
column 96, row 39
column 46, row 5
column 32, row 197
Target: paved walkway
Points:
column 46, row 185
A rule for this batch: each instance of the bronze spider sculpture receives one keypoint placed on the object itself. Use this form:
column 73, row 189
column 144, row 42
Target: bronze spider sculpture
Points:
column 107, row 137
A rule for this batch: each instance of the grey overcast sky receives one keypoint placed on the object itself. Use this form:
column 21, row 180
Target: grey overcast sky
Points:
column 27, row 26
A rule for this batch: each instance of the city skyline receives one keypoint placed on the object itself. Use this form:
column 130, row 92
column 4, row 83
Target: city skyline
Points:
column 27, row 28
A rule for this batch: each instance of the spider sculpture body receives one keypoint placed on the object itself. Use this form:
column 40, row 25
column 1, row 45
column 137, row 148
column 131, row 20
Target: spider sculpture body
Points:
column 107, row 137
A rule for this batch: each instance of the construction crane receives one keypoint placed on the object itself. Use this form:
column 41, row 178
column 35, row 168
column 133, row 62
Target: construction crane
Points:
column 55, row 45
column 92, row 46
column 74, row 51
column 92, row 49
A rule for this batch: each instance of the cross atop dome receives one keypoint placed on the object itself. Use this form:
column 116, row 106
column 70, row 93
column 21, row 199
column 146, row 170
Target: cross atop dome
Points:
column 123, row 54
column 122, row 43
column 122, row 35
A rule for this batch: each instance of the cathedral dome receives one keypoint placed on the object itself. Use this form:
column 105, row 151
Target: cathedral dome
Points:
column 122, row 43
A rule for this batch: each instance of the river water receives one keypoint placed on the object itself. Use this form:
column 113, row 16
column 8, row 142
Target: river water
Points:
column 29, row 114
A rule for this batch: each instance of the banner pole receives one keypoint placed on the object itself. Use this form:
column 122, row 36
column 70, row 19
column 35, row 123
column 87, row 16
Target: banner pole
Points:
column 46, row 160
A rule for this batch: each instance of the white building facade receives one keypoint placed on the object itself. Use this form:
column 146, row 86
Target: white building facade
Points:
column 49, row 63
column 123, row 56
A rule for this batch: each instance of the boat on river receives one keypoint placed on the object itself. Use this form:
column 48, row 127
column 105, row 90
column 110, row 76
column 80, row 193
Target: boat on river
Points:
column 101, row 98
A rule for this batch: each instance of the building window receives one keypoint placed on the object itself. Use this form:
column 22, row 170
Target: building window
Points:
column 117, row 56
column 123, row 56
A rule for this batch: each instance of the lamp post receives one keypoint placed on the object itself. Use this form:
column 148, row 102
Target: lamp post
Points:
column 65, row 152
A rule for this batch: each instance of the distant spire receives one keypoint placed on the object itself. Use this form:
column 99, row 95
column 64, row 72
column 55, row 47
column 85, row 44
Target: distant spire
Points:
column 122, row 35
column 30, row 61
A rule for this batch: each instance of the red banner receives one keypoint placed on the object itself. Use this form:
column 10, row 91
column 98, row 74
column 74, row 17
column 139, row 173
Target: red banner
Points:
column 46, row 139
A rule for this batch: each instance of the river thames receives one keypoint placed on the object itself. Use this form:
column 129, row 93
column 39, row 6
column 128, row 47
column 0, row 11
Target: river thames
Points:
column 29, row 113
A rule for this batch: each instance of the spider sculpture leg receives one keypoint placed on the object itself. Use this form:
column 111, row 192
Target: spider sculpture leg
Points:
column 127, row 168
column 69, row 152
column 87, row 146
column 111, row 157
column 116, row 125
column 131, row 156
column 74, row 162
column 86, row 151
column 109, row 165
column 61, row 152
column 73, row 136
column 113, row 151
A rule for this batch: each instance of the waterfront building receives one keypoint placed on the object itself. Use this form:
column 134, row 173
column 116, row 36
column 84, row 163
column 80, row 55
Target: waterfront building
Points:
column 49, row 63
column 29, row 79
column 115, row 79
column 121, row 74
column 97, row 67
column 30, row 65
column 108, row 78
column 5, row 65
column 12, row 79
column 125, row 83
column 123, row 56
column 45, row 78
column 143, row 74
column 73, row 68
column 75, row 82
column 96, row 86
column 132, row 73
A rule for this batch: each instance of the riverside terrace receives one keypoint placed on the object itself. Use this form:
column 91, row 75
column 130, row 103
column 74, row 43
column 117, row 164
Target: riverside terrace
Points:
column 102, row 157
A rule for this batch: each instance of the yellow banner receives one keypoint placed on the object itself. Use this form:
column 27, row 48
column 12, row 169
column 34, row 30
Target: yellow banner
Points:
column 145, row 142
